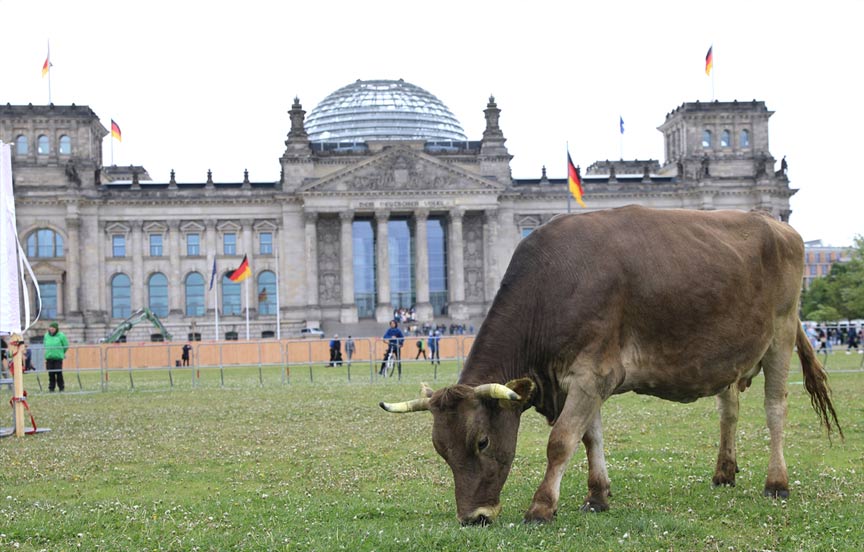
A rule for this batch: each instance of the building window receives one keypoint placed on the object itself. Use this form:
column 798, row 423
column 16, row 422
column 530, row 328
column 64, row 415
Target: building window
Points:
column 157, row 288
column 230, row 296
column 265, row 243
column 526, row 231
column 21, row 145
column 706, row 138
column 194, row 294
column 48, row 294
column 155, row 245
column 121, row 296
column 193, row 245
column 43, row 146
column 436, row 241
column 45, row 243
column 65, row 145
column 267, row 293
column 724, row 139
column 118, row 246
column 744, row 139
column 229, row 243
column 363, row 237
column 401, row 251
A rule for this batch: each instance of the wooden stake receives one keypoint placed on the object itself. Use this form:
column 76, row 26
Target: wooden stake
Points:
column 18, row 348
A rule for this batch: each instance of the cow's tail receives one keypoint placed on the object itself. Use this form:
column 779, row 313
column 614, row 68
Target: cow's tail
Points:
column 816, row 382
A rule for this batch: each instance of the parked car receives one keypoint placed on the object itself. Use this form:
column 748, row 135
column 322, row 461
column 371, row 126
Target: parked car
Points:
column 311, row 332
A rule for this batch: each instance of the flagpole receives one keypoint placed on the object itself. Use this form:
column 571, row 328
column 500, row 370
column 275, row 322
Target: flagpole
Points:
column 112, row 142
column 49, row 72
column 567, row 145
column 278, row 307
column 216, row 306
column 247, row 309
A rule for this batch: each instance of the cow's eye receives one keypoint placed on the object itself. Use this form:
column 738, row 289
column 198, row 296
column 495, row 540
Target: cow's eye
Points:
column 483, row 443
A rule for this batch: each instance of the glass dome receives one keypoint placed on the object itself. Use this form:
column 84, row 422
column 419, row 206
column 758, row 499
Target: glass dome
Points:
column 382, row 110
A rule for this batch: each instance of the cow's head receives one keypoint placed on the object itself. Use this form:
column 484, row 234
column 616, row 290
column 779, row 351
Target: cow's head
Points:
column 474, row 429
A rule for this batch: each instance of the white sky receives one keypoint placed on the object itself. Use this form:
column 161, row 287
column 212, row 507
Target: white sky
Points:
column 207, row 85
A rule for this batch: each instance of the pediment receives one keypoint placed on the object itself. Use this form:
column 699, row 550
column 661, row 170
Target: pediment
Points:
column 117, row 228
column 191, row 226
column 402, row 168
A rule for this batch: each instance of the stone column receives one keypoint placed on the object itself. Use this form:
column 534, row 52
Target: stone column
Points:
column 423, row 309
column 491, row 255
column 138, row 278
column 73, row 266
column 457, row 310
column 176, row 287
column 249, row 252
column 313, row 309
column 348, row 312
column 210, row 245
column 384, row 309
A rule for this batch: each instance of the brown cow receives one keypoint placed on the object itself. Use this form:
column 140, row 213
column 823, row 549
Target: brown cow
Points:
column 676, row 304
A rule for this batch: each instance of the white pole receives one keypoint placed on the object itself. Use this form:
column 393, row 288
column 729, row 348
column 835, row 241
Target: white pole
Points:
column 216, row 306
column 247, row 307
column 278, row 306
column 49, row 72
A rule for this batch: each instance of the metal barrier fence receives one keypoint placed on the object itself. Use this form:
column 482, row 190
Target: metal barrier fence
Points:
column 98, row 367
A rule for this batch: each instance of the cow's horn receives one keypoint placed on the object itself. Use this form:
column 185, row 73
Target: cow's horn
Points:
column 496, row 391
column 408, row 406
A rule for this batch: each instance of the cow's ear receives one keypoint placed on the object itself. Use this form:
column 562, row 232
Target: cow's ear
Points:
column 524, row 387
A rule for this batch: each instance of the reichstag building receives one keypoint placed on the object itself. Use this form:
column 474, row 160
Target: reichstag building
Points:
column 383, row 202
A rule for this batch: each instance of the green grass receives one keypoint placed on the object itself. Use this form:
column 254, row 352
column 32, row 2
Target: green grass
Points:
column 318, row 466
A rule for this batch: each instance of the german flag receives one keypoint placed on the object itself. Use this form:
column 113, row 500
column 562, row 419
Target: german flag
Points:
column 115, row 131
column 574, row 182
column 709, row 60
column 46, row 66
column 243, row 271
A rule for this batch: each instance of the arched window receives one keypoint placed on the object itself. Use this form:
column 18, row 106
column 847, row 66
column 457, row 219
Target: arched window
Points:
column 230, row 296
column 706, row 138
column 65, row 145
column 724, row 139
column 43, row 146
column 267, row 293
column 436, row 240
column 121, row 296
column 194, row 294
column 157, row 287
column 44, row 242
column 22, row 147
column 744, row 140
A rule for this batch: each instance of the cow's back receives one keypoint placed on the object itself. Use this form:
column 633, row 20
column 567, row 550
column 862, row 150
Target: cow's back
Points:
column 673, row 295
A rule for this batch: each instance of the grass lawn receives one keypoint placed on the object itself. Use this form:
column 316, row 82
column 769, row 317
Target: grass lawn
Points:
column 316, row 465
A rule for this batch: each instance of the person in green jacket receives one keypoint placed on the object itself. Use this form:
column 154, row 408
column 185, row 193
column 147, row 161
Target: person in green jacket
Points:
column 56, row 344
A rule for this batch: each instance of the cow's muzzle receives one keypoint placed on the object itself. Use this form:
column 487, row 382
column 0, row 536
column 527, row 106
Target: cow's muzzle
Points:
column 481, row 516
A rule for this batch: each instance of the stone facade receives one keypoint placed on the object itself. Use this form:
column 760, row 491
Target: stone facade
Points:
column 179, row 230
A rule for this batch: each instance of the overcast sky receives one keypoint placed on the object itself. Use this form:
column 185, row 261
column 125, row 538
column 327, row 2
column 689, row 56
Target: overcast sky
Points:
column 207, row 85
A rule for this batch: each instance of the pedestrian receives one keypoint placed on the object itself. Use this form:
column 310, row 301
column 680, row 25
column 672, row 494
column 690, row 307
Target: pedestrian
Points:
column 56, row 345
column 421, row 350
column 434, row 348
column 853, row 340
column 335, row 351
column 4, row 364
column 187, row 348
column 349, row 349
column 394, row 339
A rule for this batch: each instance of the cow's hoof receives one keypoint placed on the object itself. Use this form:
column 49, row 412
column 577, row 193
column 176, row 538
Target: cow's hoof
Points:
column 592, row 506
column 775, row 491
column 539, row 514
column 723, row 481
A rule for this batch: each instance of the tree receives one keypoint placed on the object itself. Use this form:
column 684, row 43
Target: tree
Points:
column 841, row 291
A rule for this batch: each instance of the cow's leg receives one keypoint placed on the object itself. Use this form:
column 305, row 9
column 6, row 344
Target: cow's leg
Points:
column 579, row 409
column 599, row 487
column 727, row 404
column 775, row 365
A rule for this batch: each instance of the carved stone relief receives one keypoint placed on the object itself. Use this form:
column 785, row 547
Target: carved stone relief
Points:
column 329, row 271
column 472, row 256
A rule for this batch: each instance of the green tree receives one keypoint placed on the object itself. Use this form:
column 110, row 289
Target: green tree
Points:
column 841, row 291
